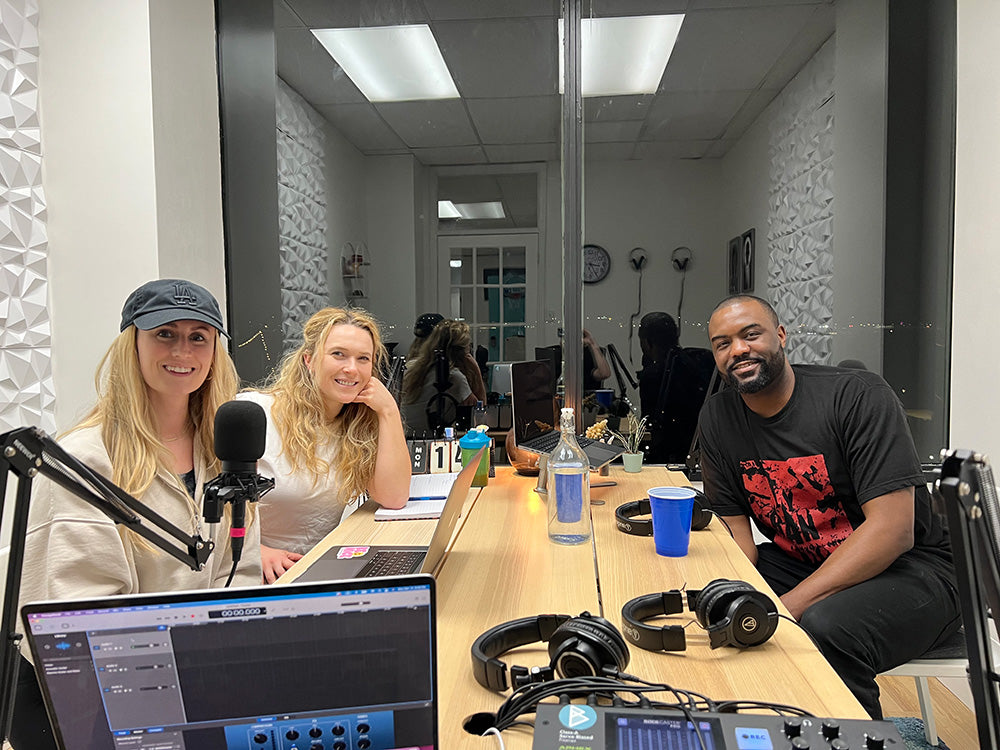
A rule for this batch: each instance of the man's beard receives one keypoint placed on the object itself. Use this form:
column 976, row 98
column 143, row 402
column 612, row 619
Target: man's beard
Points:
column 768, row 370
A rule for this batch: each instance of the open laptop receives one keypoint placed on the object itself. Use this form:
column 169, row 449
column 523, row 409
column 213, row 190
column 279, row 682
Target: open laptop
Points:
column 274, row 667
column 363, row 561
column 536, row 425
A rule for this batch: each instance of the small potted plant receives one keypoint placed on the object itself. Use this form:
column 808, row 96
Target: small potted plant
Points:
column 632, row 457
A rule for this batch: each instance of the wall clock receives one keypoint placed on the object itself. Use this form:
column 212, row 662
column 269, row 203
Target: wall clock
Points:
column 596, row 263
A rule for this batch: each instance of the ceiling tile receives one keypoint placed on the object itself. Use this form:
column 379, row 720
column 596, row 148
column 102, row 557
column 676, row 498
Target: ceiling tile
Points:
column 429, row 124
column 454, row 155
column 506, row 58
column 608, row 152
column 623, row 107
column 606, row 132
column 679, row 116
column 305, row 65
column 362, row 126
column 450, row 10
column 731, row 49
column 522, row 153
column 338, row 14
column 533, row 120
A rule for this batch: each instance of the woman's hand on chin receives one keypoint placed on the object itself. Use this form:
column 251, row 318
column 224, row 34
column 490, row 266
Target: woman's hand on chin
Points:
column 276, row 561
column 377, row 398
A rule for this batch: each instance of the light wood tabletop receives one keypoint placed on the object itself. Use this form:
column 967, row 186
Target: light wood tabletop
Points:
column 501, row 566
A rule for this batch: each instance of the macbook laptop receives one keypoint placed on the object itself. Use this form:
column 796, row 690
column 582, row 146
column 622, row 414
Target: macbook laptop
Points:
column 275, row 667
column 536, row 425
column 363, row 561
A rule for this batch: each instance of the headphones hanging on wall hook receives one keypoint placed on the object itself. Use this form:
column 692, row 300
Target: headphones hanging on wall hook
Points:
column 681, row 257
column 637, row 258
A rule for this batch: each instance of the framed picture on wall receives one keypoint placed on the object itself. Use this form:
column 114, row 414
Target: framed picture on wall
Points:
column 746, row 260
column 734, row 265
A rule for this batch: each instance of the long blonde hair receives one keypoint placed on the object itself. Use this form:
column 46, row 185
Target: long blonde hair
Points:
column 125, row 415
column 299, row 412
column 454, row 338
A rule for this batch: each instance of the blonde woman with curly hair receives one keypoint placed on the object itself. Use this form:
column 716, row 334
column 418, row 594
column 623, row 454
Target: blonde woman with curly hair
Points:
column 151, row 432
column 465, row 386
column 334, row 435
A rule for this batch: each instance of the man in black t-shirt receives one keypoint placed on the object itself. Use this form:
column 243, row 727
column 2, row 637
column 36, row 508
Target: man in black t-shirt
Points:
column 822, row 461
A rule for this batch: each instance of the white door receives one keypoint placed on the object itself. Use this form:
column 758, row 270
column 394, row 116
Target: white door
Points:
column 490, row 282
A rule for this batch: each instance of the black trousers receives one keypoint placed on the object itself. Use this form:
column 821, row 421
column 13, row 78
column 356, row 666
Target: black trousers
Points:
column 30, row 728
column 875, row 625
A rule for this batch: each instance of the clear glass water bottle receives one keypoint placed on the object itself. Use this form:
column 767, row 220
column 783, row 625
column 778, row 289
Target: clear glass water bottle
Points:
column 568, row 486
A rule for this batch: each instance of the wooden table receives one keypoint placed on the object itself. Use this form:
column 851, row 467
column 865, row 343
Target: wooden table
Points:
column 501, row 566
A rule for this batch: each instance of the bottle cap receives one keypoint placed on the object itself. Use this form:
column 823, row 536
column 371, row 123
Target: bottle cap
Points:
column 449, row 433
column 566, row 410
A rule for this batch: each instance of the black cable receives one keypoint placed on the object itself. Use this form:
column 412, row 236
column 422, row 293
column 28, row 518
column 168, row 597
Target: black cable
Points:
column 232, row 574
column 721, row 520
column 799, row 626
column 631, row 321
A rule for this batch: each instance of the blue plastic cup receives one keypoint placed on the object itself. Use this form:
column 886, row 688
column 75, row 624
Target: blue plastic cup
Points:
column 671, row 509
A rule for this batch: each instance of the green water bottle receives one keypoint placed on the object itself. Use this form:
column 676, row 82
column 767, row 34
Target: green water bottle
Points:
column 471, row 442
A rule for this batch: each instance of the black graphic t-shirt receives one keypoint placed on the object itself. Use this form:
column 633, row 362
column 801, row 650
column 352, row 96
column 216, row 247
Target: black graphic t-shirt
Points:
column 803, row 474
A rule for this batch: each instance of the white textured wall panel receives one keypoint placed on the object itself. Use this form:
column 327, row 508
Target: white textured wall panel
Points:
column 302, row 199
column 26, row 389
column 800, row 222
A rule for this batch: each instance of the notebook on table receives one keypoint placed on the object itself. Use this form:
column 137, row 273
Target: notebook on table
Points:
column 536, row 423
column 274, row 667
column 364, row 560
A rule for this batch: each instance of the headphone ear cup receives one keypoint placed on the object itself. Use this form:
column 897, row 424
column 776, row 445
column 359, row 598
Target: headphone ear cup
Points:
column 586, row 645
column 706, row 607
column 700, row 516
column 754, row 619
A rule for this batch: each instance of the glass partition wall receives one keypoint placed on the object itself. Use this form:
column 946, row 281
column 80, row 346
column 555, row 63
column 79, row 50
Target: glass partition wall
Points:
column 795, row 150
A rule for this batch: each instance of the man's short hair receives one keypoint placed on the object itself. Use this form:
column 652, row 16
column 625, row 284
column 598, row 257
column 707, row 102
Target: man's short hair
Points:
column 748, row 298
column 659, row 329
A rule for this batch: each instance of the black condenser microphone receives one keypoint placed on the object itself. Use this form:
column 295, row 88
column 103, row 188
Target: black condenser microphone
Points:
column 240, row 436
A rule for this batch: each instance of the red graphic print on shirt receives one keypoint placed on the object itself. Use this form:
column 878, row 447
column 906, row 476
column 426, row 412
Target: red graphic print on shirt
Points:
column 796, row 499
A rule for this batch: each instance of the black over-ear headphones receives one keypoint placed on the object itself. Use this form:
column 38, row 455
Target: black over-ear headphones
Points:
column 584, row 645
column 733, row 612
column 625, row 516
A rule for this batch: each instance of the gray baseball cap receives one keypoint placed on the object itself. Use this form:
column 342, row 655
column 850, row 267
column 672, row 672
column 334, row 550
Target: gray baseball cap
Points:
column 163, row 301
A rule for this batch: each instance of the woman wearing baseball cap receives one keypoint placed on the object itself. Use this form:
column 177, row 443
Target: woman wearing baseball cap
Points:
column 151, row 433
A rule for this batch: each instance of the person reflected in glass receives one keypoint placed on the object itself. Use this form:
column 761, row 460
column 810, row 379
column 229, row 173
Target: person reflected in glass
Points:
column 334, row 436
column 443, row 377
column 421, row 330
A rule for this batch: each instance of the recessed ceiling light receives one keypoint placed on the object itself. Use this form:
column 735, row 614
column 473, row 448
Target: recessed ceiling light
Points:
column 391, row 63
column 623, row 55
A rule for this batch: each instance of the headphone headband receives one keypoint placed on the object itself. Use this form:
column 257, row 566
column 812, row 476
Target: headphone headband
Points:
column 626, row 521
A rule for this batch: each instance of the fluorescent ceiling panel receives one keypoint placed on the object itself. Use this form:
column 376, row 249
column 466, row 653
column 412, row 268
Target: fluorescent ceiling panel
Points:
column 487, row 210
column 624, row 55
column 391, row 63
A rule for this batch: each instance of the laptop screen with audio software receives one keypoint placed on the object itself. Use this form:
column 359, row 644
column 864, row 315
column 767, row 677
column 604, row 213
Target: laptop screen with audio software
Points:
column 345, row 664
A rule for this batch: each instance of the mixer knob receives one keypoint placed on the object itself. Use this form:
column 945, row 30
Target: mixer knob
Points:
column 316, row 746
column 831, row 729
column 874, row 741
column 315, row 732
column 339, row 745
column 839, row 744
column 260, row 738
column 800, row 743
column 364, row 744
column 338, row 730
column 364, row 728
column 292, row 734
column 793, row 727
